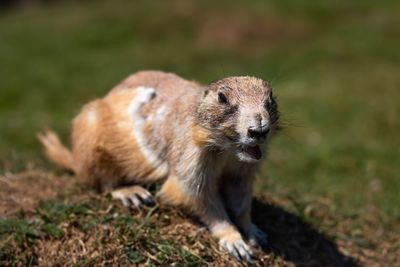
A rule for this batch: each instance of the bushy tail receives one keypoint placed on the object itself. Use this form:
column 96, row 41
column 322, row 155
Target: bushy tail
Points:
column 56, row 151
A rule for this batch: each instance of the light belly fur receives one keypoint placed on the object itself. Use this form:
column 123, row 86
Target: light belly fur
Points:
column 151, row 158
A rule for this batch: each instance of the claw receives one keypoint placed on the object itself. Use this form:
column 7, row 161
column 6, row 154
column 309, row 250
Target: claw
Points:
column 238, row 249
column 147, row 200
column 135, row 196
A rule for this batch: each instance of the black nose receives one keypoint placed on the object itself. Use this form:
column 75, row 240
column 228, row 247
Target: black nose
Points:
column 258, row 132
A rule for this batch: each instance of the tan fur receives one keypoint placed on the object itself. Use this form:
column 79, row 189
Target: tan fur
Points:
column 156, row 126
column 199, row 135
column 55, row 150
column 229, row 233
column 172, row 193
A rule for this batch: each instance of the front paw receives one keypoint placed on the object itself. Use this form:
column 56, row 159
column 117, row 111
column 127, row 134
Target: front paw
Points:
column 134, row 196
column 257, row 237
column 237, row 248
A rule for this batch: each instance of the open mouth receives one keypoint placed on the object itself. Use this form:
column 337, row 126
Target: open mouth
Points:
column 253, row 151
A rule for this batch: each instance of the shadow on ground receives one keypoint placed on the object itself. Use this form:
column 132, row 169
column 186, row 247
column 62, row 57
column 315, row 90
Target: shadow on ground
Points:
column 295, row 240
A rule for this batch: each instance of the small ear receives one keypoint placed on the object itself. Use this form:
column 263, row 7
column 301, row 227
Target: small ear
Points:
column 206, row 91
column 267, row 84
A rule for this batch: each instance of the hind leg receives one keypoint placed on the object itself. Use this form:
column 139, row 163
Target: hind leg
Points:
column 134, row 195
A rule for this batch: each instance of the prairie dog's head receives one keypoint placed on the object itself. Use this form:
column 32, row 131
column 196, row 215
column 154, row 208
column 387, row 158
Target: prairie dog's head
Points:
column 241, row 113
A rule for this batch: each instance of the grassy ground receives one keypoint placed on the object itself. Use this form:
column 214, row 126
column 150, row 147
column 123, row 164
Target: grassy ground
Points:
column 330, row 188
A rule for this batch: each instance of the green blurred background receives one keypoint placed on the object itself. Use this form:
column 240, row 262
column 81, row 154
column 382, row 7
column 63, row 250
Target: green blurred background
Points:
column 334, row 66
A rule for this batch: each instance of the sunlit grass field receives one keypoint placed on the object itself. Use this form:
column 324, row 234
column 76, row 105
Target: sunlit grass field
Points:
column 334, row 66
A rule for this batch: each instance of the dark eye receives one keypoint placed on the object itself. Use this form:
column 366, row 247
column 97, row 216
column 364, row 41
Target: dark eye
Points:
column 222, row 98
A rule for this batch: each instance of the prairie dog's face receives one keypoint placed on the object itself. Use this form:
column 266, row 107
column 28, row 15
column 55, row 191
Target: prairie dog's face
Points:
column 241, row 114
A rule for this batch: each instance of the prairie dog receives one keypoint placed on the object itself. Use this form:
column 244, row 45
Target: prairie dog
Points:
column 203, row 142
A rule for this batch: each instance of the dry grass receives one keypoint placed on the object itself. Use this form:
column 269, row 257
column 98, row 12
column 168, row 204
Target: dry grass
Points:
column 329, row 193
column 52, row 221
